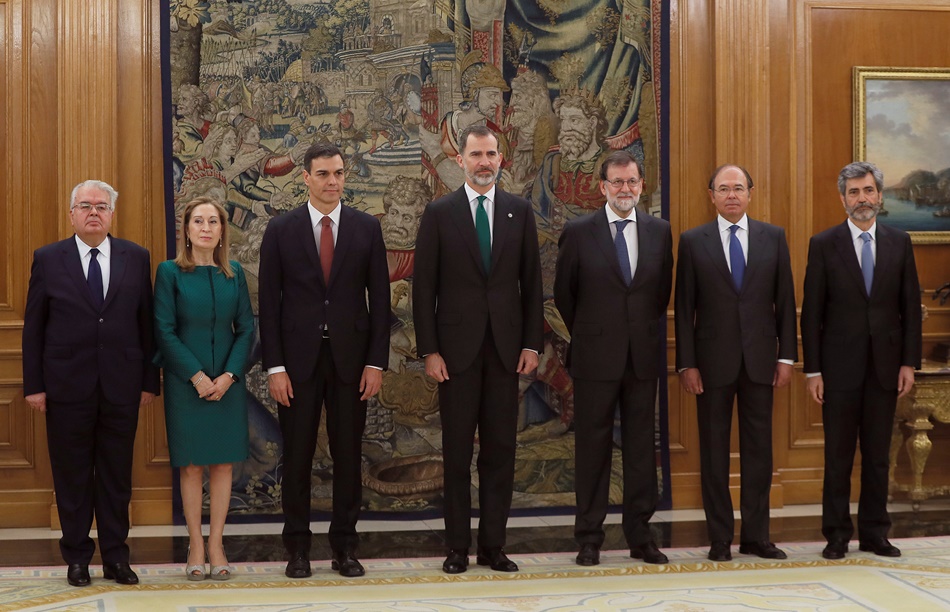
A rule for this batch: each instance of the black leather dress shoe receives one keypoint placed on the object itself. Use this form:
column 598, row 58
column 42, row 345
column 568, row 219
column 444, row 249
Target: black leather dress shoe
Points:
column 77, row 575
column 649, row 553
column 836, row 549
column 298, row 566
column 456, row 561
column 879, row 546
column 120, row 572
column 588, row 555
column 719, row 551
column 766, row 550
column 496, row 559
column 347, row 565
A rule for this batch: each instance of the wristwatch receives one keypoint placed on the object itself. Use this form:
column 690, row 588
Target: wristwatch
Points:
column 234, row 377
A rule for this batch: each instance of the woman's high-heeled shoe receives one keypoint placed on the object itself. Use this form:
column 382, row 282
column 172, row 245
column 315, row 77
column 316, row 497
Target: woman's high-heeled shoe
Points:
column 219, row 572
column 194, row 573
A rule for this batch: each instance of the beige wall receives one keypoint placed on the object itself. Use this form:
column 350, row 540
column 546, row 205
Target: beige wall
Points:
column 764, row 83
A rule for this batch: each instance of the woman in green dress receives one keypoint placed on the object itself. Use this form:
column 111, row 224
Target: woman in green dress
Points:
column 204, row 327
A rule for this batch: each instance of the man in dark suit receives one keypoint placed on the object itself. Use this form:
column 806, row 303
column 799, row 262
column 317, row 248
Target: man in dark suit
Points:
column 321, row 344
column 735, row 338
column 861, row 335
column 87, row 363
column 478, row 318
column 612, row 288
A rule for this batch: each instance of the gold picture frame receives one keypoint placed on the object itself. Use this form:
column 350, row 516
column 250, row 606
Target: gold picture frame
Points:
column 902, row 124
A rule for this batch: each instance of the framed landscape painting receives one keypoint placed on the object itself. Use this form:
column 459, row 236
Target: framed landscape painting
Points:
column 902, row 124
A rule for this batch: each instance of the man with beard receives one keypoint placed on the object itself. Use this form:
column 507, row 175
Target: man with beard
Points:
column 735, row 339
column 567, row 185
column 861, row 335
column 612, row 288
column 404, row 201
column 477, row 310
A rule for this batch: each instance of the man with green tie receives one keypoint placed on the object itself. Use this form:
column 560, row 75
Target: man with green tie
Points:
column 478, row 318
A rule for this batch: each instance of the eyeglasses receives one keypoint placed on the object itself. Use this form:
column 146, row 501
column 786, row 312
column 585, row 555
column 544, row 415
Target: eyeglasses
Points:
column 619, row 183
column 101, row 208
column 739, row 190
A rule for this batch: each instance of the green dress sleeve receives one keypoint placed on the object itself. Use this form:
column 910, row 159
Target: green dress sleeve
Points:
column 177, row 358
column 243, row 326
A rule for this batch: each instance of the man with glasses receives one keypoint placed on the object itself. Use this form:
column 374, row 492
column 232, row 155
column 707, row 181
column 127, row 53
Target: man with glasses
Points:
column 735, row 338
column 87, row 364
column 612, row 286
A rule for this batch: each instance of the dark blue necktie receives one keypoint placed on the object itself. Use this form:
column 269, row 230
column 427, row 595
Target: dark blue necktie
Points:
column 483, row 231
column 620, row 244
column 736, row 258
column 867, row 261
column 94, row 278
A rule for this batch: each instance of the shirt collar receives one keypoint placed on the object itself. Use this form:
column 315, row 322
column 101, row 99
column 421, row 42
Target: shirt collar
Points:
column 316, row 216
column 105, row 248
column 472, row 194
column 612, row 216
column 725, row 224
column 857, row 231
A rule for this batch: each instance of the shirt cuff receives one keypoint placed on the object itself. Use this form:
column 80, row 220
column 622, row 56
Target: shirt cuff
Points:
column 812, row 374
column 374, row 367
column 532, row 350
column 787, row 362
column 275, row 370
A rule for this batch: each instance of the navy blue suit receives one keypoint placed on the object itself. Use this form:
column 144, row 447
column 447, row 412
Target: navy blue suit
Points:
column 93, row 364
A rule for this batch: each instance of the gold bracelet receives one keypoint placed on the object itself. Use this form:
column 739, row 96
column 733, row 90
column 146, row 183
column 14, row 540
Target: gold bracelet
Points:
column 201, row 377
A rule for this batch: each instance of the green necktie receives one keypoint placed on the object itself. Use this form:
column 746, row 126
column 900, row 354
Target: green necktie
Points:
column 484, row 233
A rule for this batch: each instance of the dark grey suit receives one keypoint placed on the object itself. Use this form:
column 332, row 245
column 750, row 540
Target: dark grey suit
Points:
column 615, row 348
column 735, row 339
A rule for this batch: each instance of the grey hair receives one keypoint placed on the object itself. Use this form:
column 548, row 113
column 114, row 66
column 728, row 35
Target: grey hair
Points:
column 101, row 185
column 859, row 170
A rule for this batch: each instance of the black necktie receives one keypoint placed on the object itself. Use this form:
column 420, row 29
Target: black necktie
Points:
column 94, row 278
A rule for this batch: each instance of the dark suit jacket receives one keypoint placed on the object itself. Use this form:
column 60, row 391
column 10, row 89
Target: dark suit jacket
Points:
column 454, row 299
column 718, row 327
column 69, row 345
column 296, row 302
column 609, row 320
column 841, row 323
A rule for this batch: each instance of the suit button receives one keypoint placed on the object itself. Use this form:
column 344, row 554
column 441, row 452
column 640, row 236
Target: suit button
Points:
column 326, row 302
column 102, row 320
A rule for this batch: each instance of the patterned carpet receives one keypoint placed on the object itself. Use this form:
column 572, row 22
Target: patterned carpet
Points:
column 920, row 580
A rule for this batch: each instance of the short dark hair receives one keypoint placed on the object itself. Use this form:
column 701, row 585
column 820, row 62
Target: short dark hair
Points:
column 712, row 177
column 478, row 130
column 860, row 169
column 620, row 158
column 321, row 149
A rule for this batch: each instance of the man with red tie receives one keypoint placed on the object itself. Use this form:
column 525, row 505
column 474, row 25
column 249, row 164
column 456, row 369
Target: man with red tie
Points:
column 323, row 341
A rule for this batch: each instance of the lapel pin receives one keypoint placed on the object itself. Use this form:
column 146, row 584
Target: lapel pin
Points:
column 509, row 215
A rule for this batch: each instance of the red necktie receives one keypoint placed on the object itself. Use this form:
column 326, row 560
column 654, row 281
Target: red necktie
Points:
column 326, row 248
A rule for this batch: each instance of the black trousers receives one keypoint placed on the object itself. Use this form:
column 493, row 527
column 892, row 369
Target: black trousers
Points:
column 299, row 423
column 714, row 408
column 90, row 451
column 594, row 405
column 865, row 414
column 484, row 396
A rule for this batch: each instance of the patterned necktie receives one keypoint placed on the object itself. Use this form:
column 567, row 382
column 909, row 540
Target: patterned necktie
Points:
column 736, row 258
column 623, row 256
column 326, row 248
column 94, row 278
column 867, row 261
column 483, row 232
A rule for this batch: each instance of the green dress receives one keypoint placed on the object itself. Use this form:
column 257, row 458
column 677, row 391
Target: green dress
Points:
column 203, row 322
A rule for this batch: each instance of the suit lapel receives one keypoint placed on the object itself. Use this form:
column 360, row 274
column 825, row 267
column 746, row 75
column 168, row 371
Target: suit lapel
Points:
column 757, row 239
column 117, row 266
column 845, row 247
column 886, row 256
column 344, row 238
column 462, row 217
column 500, row 226
column 305, row 233
column 713, row 244
column 70, row 255
column 600, row 232
column 645, row 244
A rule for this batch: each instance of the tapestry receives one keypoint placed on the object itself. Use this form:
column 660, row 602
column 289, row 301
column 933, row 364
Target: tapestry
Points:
column 251, row 84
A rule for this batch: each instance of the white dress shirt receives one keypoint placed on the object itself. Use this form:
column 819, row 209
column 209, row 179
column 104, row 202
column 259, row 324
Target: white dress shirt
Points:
column 742, row 234
column 858, row 241
column 105, row 255
column 489, row 205
column 316, row 218
column 629, row 235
